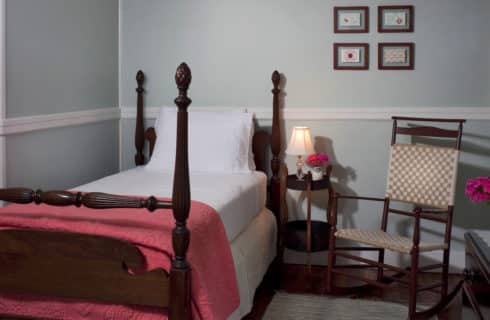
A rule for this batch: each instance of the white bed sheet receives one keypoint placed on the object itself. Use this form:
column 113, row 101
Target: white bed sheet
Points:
column 238, row 197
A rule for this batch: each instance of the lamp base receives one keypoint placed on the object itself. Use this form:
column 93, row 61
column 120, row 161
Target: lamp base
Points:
column 299, row 169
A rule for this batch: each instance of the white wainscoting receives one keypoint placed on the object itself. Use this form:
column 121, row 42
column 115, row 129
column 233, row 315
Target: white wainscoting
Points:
column 336, row 113
column 355, row 114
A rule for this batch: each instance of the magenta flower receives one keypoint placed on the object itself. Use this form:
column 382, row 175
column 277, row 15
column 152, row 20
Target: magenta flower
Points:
column 317, row 159
column 478, row 189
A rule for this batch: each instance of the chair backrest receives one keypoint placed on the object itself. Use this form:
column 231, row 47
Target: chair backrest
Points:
column 424, row 174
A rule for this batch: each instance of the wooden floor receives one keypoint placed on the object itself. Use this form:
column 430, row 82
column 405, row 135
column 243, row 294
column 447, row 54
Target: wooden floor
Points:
column 297, row 279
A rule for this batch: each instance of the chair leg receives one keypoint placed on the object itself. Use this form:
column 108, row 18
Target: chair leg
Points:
column 472, row 299
column 331, row 260
column 412, row 302
column 445, row 272
column 381, row 259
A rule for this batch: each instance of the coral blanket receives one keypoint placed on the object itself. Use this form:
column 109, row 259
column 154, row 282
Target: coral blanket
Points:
column 214, row 284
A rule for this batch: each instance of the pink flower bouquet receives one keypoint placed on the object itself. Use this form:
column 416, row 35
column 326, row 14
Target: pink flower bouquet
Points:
column 478, row 189
column 317, row 159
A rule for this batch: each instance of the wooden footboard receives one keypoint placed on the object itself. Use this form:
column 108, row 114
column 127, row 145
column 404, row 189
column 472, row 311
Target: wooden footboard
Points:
column 93, row 267
column 80, row 266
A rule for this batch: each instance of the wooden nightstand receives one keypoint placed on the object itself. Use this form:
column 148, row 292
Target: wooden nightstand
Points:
column 307, row 235
column 477, row 271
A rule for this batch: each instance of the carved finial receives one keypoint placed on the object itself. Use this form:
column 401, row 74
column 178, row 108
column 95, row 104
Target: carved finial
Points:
column 140, row 78
column 276, row 78
column 183, row 76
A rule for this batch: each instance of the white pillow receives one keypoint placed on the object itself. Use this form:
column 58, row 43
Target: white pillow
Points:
column 218, row 141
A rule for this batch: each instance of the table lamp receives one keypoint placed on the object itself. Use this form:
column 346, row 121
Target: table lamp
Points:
column 299, row 145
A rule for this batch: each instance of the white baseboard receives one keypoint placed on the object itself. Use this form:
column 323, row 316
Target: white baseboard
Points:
column 335, row 113
column 18, row 125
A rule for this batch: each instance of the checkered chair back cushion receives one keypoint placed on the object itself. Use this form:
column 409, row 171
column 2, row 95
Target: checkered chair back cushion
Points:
column 423, row 175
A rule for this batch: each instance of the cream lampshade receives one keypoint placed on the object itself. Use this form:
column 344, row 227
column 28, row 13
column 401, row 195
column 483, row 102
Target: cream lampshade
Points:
column 299, row 145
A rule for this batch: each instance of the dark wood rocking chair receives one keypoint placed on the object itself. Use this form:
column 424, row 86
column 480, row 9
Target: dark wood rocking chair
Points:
column 422, row 175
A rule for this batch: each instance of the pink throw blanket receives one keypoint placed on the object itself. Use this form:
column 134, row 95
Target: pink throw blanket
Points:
column 214, row 284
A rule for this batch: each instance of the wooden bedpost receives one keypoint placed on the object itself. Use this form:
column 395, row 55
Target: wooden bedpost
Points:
column 180, row 300
column 275, row 193
column 139, row 136
column 276, row 149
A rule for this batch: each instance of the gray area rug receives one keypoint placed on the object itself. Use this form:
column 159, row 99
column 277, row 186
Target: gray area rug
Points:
column 286, row 306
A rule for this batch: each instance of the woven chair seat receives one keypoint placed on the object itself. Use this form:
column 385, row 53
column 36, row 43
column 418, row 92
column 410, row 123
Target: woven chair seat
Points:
column 381, row 239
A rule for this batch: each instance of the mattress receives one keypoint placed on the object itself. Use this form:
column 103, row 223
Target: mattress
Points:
column 238, row 198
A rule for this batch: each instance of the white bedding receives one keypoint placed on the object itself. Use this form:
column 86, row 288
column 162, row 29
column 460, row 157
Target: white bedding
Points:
column 253, row 251
column 238, row 198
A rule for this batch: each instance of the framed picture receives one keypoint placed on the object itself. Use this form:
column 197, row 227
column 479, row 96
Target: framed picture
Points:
column 351, row 56
column 395, row 18
column 396, row 56
column 351, row 19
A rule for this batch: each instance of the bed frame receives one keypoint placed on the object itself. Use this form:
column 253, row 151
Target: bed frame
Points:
column 90, row 267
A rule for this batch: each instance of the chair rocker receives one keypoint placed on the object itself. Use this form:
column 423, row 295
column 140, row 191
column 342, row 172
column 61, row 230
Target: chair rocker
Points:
column 421, row 175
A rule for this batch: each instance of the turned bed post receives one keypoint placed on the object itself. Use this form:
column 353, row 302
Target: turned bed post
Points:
column 179, row 307
column 276, row 149
column 139, row 135
column 180, row 289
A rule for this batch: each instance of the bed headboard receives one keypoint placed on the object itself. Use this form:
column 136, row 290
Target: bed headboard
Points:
column 261, row 139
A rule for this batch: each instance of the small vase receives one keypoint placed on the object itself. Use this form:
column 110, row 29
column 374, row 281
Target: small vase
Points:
column 317, row 173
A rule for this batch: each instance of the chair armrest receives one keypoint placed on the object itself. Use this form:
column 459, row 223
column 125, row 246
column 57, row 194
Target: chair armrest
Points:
column 417, row 212
column 341, row 196
column 433, row 211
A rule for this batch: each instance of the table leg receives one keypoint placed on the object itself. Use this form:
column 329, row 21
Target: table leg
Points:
column 472, row 299
column 308, row 221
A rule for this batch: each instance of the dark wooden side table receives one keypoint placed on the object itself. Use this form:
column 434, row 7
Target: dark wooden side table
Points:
column 308, row 235
column 477, row 271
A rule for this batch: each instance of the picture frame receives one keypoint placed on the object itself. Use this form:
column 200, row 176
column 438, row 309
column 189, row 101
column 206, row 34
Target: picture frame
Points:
column 351, row 56
column 396, row 56
column 395, row 19
column 351, row 19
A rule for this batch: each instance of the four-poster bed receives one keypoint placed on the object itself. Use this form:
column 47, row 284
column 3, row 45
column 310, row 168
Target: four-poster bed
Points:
column 92, row 267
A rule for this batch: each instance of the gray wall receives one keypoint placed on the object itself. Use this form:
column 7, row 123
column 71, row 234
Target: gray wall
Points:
column 233, row 46
column 62, row 56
